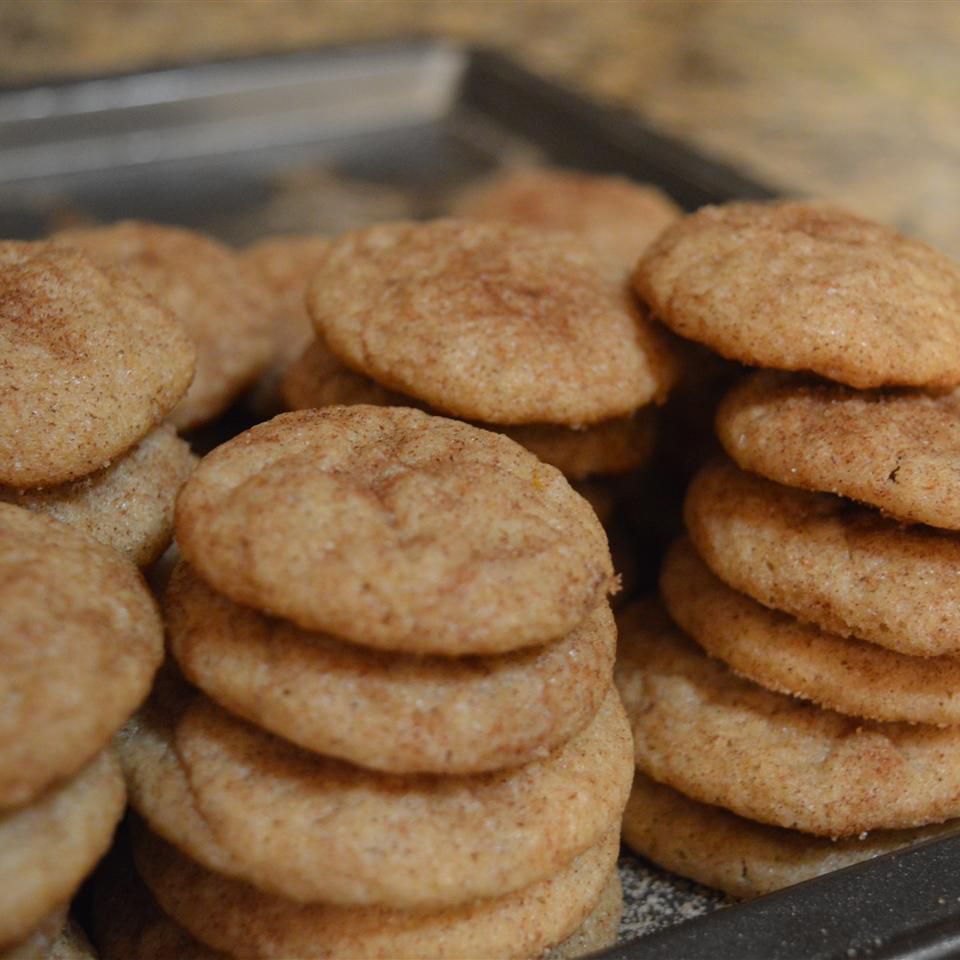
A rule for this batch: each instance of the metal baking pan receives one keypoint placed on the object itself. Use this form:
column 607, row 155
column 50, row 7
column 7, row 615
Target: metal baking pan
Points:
column 332, row 139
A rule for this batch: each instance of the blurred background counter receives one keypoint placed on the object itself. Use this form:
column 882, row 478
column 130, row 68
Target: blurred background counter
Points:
column 854, row 100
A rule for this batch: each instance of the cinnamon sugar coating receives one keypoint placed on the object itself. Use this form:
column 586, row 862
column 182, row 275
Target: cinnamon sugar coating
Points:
column 403, row 714
column 240, row 920
column 894, row 450
column 723, row 740
column 799, row 286
column 617, row 217
column 218, row 298
column 742, row 857
column 127, row 506
column 318, row 379
column 828, row 561
column 80, row 641
column 89, row 364
column 778, row 652
column 489, row 322
column 392, row 529
column 323, row 830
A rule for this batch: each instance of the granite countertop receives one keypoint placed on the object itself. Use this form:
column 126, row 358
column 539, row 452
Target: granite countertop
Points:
column 853, row 100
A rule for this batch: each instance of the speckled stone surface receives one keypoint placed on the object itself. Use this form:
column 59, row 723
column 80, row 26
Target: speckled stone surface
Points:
column 853, row 100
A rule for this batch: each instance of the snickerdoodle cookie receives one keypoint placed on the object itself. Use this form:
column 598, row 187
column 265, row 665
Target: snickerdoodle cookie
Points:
column 799, row 286
column 828, row 561
column 780, row 653
column 48, row 846
column 80, row 640
column 128, row 505
column 218, row 298
column 390, row 712
column 893, row 450
column 240, row 920
column 286, row 265
column 318, row 379
column 395, row 530
column 741, row 857
column 322, row 830
column 489, row 322
column 617, row 217
column 89, row 364
column 724, row 740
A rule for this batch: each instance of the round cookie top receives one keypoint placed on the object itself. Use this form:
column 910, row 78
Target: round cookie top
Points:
column 742, row 857
column 50, row 845
column 243, row 921
column 322, row 830
column 896, row 451
column 80, row 640
column 617, row 217
column 723, row 740
column 127, row 506
column 219, row 299
column 805, row 287
column 828, row 561
column 88, row 364
column 488, row 321
column 318, row 379
column 780, row 653
column 396, row 530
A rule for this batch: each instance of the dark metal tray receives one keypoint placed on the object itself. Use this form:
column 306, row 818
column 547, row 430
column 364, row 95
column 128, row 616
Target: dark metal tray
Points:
column 332, row 139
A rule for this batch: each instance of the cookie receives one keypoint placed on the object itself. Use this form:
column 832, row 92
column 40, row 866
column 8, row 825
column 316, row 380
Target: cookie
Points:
column 49, row 846
column 599, row 930
column 780, row 653
column 219, row 299
column 828, row 562
column 489, row 322
column 241, row 921
column 321, row 830
column 88, row 364
column 723, row 740
column 80, row 640
column 423, row 535
column 317, row 379
column 286, row 265
column 386, row 711
column 798, row 286
column 893, row 450
column 741, row 857
column 129, row 505
column 617, row 217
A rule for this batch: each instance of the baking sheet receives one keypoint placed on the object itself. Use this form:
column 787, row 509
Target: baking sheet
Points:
column 334, row 139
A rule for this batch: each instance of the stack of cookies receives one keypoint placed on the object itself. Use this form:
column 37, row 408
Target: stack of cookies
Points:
column 407, row 742
column 821, row 565
column 514, row 328
column 80, row 640
column 89, row 366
